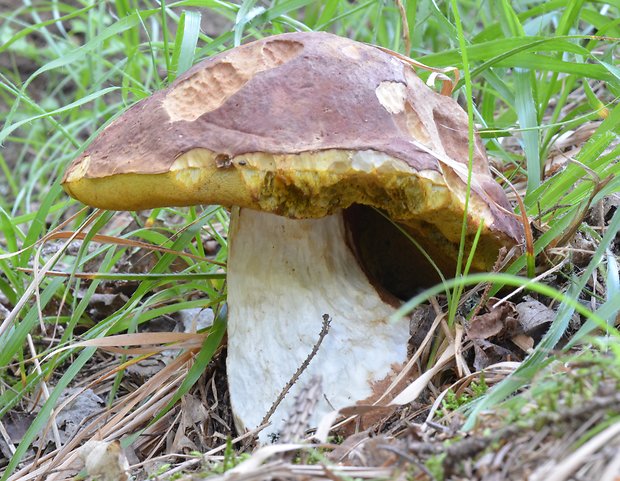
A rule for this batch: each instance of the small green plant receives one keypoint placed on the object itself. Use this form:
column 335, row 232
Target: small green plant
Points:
column 454, row 401
column 230, row 460
column 435, row 466
column 161, row 470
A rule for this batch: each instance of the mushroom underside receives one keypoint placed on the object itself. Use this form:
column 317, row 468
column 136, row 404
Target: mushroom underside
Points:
column 284, row 275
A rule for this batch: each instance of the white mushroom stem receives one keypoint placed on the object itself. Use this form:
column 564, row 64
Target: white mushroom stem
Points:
column 283, row 276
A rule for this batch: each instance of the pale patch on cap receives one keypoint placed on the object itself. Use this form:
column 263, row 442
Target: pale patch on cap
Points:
column 78, row 170
column 392, row 96
column 209, row 88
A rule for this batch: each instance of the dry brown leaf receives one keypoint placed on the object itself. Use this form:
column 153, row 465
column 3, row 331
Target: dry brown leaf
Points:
column 487, row 353
column 156, row 341
column 534, row 316
column 499, row 322
column 523, row 342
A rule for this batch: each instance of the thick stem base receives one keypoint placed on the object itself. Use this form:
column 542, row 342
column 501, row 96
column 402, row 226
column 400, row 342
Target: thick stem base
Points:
column 283, row 276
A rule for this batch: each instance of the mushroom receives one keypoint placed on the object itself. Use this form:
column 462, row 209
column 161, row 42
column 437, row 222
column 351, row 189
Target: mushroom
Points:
column 326, row 150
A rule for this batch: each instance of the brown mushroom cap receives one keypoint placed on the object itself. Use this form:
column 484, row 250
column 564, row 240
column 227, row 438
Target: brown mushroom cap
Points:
column 301, row 125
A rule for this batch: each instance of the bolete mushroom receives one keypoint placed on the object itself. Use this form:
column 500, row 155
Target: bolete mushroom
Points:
column 325, row 148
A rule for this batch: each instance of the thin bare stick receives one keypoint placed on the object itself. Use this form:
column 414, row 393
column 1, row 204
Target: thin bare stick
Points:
column 304, row 365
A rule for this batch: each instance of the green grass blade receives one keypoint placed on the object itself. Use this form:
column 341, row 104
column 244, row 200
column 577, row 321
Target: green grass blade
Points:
column 247, row 12
column 525, row 107
column 9, row 129
column 456, row 295
column 185, row 43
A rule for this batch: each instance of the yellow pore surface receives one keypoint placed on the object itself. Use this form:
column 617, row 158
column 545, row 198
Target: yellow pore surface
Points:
column 306, row 185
